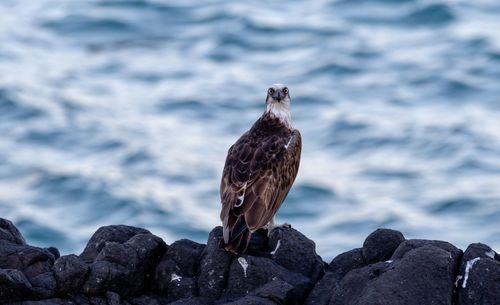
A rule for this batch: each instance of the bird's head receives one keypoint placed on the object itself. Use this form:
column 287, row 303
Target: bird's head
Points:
column 278, row 93
column 278, row 103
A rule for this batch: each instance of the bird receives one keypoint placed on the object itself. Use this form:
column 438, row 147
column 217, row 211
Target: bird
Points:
column 259, row 171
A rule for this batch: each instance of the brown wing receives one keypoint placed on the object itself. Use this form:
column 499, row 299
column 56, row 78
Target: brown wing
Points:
column 256, row 179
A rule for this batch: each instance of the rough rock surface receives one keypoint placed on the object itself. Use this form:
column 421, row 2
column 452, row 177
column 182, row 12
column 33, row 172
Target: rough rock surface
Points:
column 214, row 267
column 423, row 276
column 123, row 265
column 305, row 261
column 381, row 244
column 124, row 268
column 248, row 273
column 478, row 281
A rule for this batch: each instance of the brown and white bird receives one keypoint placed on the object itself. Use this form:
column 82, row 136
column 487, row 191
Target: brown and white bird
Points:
column 259, row 171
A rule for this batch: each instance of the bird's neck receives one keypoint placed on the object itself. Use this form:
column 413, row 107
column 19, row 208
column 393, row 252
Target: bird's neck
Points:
column 281, row 112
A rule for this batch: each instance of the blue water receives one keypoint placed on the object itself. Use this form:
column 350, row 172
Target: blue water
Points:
column 123, row 111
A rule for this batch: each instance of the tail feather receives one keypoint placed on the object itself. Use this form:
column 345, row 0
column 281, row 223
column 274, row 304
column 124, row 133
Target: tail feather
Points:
column 239, row 244
column 238, row 228
column 235, row 229
column 237, row 236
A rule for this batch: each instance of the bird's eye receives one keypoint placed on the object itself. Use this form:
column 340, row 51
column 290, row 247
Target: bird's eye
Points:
column 270, row 91
column 285, row 90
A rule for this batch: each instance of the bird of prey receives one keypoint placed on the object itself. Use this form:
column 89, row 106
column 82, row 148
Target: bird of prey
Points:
column 259, row 171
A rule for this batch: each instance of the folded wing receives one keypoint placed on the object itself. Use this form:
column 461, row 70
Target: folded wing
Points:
column 257, row 176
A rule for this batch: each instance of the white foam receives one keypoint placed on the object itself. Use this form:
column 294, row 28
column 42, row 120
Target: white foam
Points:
column 468, row 267
column 244, row 264
column 459, row 277
column 277, row 246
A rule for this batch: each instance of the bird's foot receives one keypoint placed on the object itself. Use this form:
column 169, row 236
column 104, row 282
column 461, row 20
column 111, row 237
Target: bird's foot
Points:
column 286, row 225
column 270, row 227
column 258, row 242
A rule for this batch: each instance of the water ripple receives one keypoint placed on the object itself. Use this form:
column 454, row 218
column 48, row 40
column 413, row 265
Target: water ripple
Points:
column 12, row 109
column 431, row 15
column 122, row 111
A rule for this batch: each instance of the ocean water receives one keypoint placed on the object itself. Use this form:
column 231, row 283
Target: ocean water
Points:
column 121, row 112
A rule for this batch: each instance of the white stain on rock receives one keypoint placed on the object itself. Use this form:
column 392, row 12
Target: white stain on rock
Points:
column 175, row 277
column 276, row 249
column 244, row 264
column 490, row 254
column 468, row 267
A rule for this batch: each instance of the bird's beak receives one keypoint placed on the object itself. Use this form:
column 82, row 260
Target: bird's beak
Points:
column 278, row 95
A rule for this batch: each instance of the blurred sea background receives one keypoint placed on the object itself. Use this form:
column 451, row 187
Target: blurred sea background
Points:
column 121, row 112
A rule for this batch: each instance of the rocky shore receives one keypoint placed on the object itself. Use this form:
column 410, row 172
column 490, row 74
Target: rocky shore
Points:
column 124, row 265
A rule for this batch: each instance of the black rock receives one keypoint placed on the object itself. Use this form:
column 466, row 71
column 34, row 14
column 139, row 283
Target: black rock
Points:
column 35, row 263
column 163, row 274
column 14, row 286
column 247, row 273
column 147, row 299
column 323, row 290
column 353, row 286
column 113, row 298
column 31, row 260
column 44, row 284
column 275, row 292
column 278, row 291
column 338, row 268
column 108, row 298
column 478, row 250
column 70, row 272
column 479, row 280
column 54, row 252
column 173, row 276
column 104, row 276
column 251, row 300
column 123, row 265
column 181, row 287
column 347, row 261
column 81, row 299
column 149, row 249
column 98, row 301
column 295, row 252
column 381, row 244
column 116, row 233
column 10, row 233
column 214, row 267
column 423, row 275
column 411, row 244
column 124, row 268
column 259, row 244
column 55, row 301
column 193, row 301
column 169, row 281
column 187, row 255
